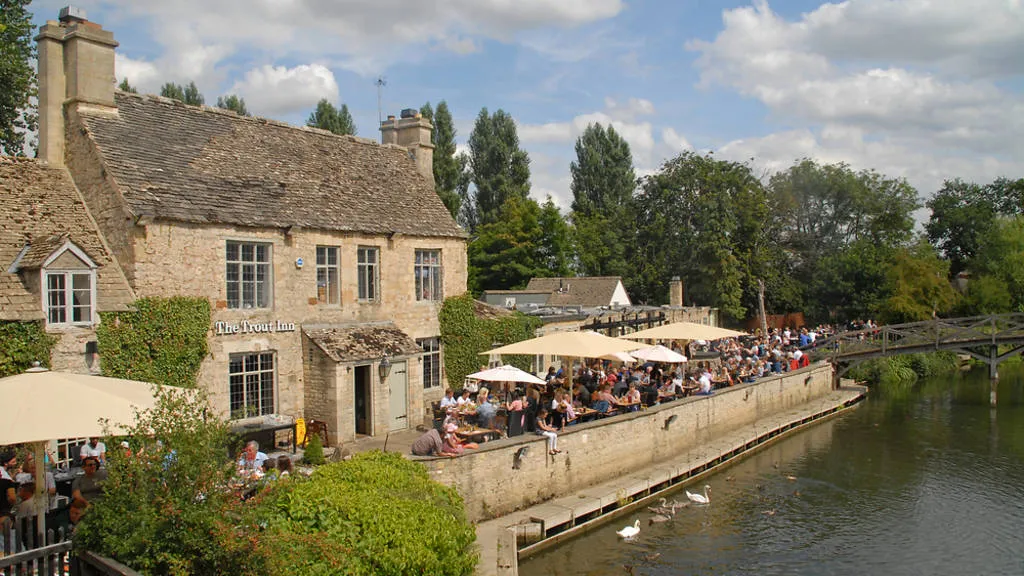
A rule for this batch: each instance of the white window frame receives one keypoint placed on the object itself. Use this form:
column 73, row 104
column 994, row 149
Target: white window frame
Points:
column 259, row 408
column 366, row 271
column 331, row 291
column 67, row 450
column 268, row 282
column 428, row 275
column 68, row 274
column 432, row 358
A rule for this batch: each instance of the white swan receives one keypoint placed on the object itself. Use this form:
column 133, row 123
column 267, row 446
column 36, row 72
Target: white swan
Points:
column 630, row 531
column 699, row 499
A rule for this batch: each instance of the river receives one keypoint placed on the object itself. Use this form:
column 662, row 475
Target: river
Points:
column 924, row 481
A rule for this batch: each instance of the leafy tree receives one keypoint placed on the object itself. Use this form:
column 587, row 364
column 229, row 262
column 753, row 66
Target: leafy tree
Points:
column 500, row 169
column 234, row 103
column 603, row 182
column 124, row 86
column 918, row 286
column 556, row 240
column 1001, row 256
column 327, row 117
column 447, row 168
column 986, row 295
column 188, row 94
column 508, row 252
column 17, row 76
column 851, row 283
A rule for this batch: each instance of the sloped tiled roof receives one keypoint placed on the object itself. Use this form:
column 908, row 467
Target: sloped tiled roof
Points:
column 42, row 209
column 365, row 341
column 583, row 291
column 205, row 165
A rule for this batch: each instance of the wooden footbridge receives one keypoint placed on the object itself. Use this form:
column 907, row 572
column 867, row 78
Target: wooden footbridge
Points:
column 990, row 339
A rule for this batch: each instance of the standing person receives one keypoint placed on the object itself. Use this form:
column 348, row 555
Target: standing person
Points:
column 8, row 495
column 94, row 448
column 548, row 431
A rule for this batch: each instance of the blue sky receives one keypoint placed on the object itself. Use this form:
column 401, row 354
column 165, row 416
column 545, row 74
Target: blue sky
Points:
column 922, row 89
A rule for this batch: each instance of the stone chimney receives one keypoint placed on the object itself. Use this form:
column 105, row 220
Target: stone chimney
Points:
column 413, row 132
column 76, row 66
column 675, row 292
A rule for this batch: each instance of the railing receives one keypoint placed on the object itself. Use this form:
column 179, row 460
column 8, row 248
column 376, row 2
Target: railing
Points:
column 23, row 554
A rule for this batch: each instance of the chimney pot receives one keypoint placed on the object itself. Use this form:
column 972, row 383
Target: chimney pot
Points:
column 72, row 14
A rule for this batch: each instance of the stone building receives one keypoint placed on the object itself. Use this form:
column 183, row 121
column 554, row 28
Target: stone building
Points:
column 324, row 257
column 579, row 292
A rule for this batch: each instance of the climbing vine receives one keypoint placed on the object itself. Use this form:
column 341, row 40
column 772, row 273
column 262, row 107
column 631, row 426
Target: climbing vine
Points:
column 162, row 341
column 465, row 336
column 21, row 344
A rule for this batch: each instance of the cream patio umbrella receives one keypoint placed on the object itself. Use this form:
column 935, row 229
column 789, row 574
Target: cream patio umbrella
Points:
column 41, row 405
column 506, row 374
column 684, row 331
column 624, row 357
column 659, row 353
column 574, row 344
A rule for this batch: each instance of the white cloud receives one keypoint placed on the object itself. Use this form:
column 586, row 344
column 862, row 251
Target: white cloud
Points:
column 908, row 88
column 140, row 74
column 675, row 141
column 460, row 46
column 270, row 90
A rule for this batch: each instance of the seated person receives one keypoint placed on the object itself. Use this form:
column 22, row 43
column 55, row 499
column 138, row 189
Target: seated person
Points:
column 75, row 513
column 464, row 398
column 29, row 506
column 284, row 465
column 603, row 400
column 429, row 444
column 94, row 448
column 449, row 400
column 632, row 395
column 581, row 395
column 548, row 431
column 485, row 411
column 705, row 384
column 89, row 488
column 269, row 468
column 252, row 459
column 667, row 390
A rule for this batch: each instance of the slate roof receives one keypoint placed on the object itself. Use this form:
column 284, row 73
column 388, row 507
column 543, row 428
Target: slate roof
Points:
column 583, row 291
column 206, row 165
column 41, row 209
column 365, row 341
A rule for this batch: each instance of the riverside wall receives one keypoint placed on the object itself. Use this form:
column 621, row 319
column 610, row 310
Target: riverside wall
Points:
column 603, row 449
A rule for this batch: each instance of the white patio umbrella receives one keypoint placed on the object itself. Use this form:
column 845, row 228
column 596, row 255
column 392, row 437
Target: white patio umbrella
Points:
column 41, row 405
column 619, row 357
column 506, row 374
column 573, row 344
column 659, row 353
column 684, row 331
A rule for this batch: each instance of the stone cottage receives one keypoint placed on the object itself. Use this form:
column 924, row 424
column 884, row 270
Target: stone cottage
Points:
column 325, row 258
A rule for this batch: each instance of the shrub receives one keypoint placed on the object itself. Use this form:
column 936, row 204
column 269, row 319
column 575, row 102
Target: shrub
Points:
column 377, row 513
column 21, row 344
column 314, row 451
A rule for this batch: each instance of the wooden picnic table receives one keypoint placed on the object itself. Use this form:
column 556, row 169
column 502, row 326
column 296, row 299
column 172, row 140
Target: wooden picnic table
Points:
column 477, row 434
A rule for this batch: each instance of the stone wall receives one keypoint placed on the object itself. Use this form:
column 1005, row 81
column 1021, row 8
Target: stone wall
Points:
column 68, row 353
column 596, row 451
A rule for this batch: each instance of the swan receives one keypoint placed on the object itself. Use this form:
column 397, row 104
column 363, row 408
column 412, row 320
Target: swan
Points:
column 630, row 531
column 700, row 499
column 677, row 505
column 658, row 509
column 658, row 519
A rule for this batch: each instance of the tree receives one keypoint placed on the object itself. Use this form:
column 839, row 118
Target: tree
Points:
column 327, row 117
column 17, row 76
column 603, row 182
column 188, row 94
column 124, row 86
column 1001, row 256
column 851, row 282
column 507, row 252
column 556, row 251
column 447, row 168
column 500, row 169
column 918, row 286
column 234, row 103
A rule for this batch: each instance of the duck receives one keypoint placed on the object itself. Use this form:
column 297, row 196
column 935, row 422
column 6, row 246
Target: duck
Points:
column 769, row 512
column 630, row 531
column 698, row 498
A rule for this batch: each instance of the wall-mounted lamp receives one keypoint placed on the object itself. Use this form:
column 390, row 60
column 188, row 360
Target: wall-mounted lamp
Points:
column 670, row 420
column 517, row 458
column 384, row 367
column 92, row 349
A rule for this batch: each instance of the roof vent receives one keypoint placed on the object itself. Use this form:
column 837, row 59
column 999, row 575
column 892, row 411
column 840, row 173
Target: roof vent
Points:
column 72, row 14
column 409, row 113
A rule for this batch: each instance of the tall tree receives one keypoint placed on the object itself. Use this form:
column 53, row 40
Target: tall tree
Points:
column 188, row 94
column 507, row 252
column 603, row 182
column 447, row 172
column 500, row 169
column 556, row 250
column 327, row 117
column 233, row 103
column 124, row 86
column 918, row 286
column 467, row 217
column 17, row 76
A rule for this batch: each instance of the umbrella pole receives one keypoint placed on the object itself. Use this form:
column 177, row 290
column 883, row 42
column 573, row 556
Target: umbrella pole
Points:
column 41, row 495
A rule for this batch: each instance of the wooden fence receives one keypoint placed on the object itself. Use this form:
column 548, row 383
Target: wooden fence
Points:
column 22, row 554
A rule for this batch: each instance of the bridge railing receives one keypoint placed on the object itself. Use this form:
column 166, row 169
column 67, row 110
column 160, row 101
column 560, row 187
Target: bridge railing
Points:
column 937, row 334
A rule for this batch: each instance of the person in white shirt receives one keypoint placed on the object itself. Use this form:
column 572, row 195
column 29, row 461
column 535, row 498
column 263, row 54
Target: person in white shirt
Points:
column 449, row 400
column 464, row 399
column 705, row 383
column 94, row 448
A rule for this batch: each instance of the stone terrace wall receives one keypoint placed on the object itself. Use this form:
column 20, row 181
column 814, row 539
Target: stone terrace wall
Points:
column 600, row 450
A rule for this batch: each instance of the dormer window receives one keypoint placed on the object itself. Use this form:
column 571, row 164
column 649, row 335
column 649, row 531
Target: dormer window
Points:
column 67, row 280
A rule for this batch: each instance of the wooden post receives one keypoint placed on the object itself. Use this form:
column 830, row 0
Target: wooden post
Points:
column 760, row 304
column 993, row 374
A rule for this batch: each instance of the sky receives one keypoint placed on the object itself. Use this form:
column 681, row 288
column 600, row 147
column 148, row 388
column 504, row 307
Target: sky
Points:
column 921, row 89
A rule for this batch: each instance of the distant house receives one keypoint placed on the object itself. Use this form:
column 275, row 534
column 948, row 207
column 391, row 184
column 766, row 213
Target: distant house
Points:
column 325, row 258
column 583, row 292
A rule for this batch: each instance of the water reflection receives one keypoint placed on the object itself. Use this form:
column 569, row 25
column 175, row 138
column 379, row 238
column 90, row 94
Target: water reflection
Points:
column 929, row 480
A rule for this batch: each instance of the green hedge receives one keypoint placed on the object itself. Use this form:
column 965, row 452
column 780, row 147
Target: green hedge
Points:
column 162, row 341
column 377, row 513
column 465, row 336
column 21, row 344
column 905, row 370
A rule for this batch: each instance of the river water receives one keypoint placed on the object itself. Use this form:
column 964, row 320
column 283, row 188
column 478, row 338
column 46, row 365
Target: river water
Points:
column 925, row 481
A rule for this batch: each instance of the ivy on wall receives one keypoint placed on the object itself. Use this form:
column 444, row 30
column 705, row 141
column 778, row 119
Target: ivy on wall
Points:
column 465, row 336
column 21, row 344
column 162, row 341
